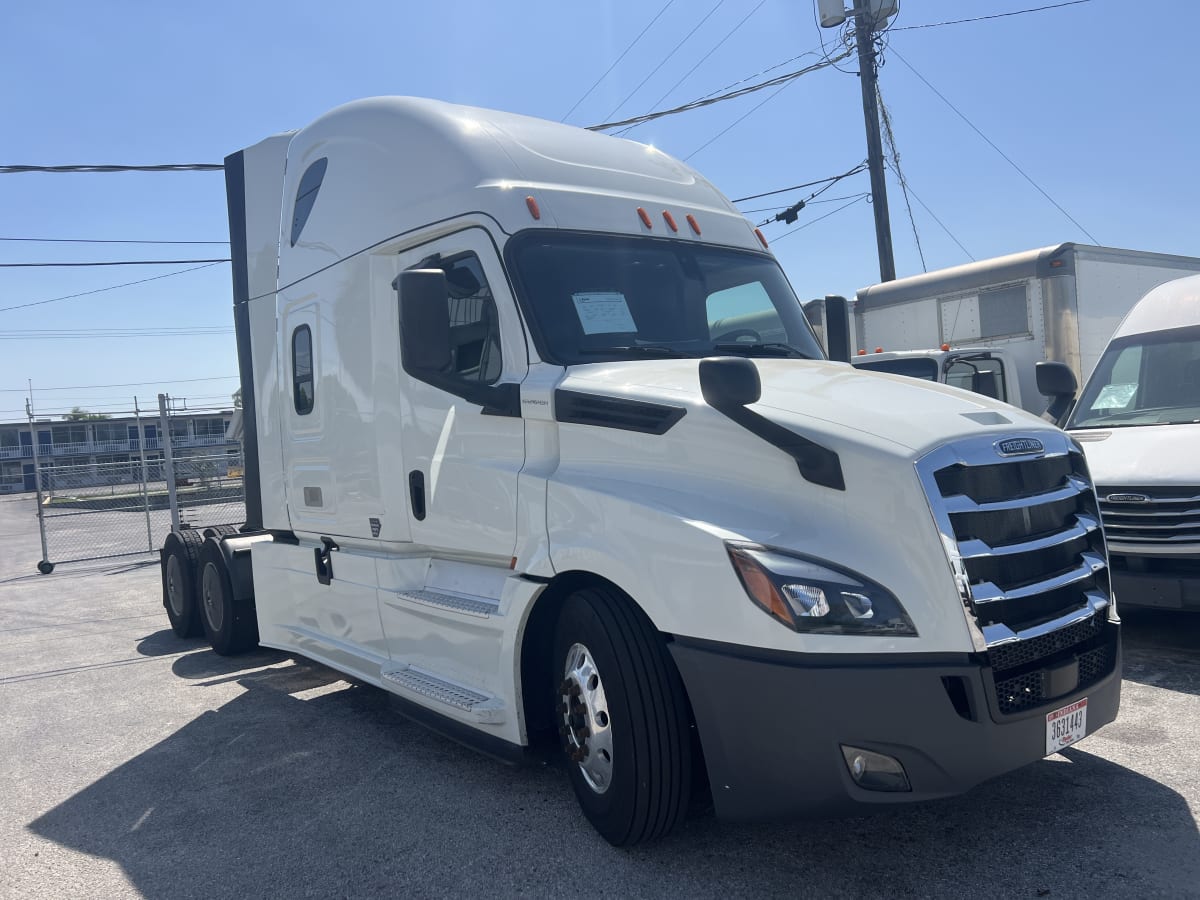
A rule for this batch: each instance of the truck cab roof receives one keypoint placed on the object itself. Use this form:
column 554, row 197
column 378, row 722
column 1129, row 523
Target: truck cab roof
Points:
column 373, row 169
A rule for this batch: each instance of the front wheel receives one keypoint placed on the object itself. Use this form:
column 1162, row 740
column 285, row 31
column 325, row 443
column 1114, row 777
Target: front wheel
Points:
column 623, row 718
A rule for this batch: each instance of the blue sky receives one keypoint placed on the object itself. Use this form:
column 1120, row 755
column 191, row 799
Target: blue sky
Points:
column 1092, row 101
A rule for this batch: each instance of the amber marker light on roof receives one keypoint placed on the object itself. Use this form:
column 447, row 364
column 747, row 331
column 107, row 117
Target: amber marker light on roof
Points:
column 862, row 352
column 670, row 220
column 945, row 346
column 878, row 349
column 645, row 217
column 691, row 220
column 533, row 207
column 762, row 240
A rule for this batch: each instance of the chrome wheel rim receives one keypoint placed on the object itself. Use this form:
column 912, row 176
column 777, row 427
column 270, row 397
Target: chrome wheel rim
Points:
column 175, row 585
column 586, row 728
column 214, row 609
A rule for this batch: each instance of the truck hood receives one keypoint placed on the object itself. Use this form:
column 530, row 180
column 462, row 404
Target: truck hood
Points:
column 825, row 397
column 1142, row 455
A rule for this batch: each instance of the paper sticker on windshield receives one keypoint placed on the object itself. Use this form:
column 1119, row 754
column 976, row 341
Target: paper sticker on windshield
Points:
column 1115, row 396
column 603, row 312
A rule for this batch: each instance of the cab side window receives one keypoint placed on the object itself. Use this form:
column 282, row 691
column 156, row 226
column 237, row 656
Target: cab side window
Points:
column 474, row 327
column 303, row 393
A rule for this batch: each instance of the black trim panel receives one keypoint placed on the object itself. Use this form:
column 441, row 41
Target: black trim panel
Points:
column 730, row 383
column 578, row 408
column 235, row 196
column 828, row 660
column 488, row 744
column 771, row 730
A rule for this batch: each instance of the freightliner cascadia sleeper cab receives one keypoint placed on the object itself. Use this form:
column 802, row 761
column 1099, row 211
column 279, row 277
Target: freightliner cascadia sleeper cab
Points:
column 539, row 440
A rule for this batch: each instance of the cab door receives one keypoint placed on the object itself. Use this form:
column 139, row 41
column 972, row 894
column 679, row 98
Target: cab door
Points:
column 462, row 437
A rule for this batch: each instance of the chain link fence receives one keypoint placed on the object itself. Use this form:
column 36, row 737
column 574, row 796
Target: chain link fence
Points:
column 120, row 498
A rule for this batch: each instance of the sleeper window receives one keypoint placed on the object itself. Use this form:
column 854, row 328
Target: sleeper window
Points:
column 303, row 396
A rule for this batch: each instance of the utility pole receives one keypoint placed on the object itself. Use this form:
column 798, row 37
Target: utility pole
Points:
column 864, row 33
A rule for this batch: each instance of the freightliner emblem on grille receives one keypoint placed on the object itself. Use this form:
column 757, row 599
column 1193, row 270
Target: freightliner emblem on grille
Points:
column 1127, row 498
column 1019, row 446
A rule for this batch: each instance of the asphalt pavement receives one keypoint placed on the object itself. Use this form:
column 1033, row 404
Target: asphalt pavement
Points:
column 135, row 764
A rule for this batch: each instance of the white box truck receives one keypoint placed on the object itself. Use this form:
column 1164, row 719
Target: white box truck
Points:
column 1138, row 420
column 514, row 454
column 998, row 317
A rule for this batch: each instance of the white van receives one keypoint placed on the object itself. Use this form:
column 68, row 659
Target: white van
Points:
column 1139, row 422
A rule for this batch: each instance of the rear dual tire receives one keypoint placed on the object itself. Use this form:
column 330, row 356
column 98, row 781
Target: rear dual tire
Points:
column 229, row 622
column 180, row 558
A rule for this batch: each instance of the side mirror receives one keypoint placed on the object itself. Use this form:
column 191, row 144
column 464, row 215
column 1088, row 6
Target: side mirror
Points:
column 729, row 381
column 1056, row 381
column 424, row 320
column 837, row 328
column 830, row 319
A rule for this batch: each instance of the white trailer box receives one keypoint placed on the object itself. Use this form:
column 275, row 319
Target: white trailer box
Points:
column 539, row 441
column 1058, row 303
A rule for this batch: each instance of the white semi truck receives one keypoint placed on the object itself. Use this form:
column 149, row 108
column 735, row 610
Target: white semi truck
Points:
column 990, row 322
column 514, row 455
column 1138, row 419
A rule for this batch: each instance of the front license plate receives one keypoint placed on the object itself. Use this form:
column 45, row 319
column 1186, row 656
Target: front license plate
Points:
column 1065, row 726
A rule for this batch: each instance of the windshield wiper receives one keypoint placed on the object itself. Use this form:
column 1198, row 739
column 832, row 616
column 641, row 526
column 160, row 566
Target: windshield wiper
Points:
column 639, row 349
column 768, row 348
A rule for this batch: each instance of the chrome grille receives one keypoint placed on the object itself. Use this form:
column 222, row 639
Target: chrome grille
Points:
column 1150, row 517
column 1025, row 544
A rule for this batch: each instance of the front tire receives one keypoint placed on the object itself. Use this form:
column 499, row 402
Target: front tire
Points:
column 623, row 718
column 229, row 623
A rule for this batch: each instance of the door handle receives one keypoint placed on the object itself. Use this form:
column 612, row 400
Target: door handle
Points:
column 323, row 560
column 416, row 493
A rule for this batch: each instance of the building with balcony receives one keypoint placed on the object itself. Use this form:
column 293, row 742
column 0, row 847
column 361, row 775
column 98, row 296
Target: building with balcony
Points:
column 110, row 451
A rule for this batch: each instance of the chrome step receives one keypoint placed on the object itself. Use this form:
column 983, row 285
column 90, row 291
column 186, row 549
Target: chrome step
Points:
column 479, row 706
column 481, row 607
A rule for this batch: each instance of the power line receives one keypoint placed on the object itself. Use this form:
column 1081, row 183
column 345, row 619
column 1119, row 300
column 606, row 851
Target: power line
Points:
column 662, row 62
column 796, row 187
column 991, row 144
column 817, row 219
column 701, row 61
column 1018, row 12
column 119, row 262
column 100, row 241
column 170, row 167
column 942, row 224
column 790, row 213
column 617, row 60
column 810, row 202
column 86, row 387
column 708, row 101
column 889, row 138
column 103, row 289
column 738, row 121
column 51, row 335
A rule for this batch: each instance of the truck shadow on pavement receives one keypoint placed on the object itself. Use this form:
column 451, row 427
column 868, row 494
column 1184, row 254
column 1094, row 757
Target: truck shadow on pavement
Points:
column 305, row 784
column 1162, row 648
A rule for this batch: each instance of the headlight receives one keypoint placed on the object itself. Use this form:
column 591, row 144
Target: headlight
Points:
column 813, row 597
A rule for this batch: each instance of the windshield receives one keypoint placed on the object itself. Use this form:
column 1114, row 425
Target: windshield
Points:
column 1144, row 379
column 593, row 297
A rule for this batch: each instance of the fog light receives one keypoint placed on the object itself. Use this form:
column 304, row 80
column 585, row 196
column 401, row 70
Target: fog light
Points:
column 875, row 771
